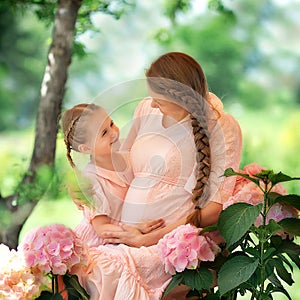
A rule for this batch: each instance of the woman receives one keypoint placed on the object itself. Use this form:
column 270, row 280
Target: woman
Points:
column 180, row 144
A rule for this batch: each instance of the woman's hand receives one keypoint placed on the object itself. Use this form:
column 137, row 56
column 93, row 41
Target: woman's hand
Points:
column 130, row 236
column 149, row 226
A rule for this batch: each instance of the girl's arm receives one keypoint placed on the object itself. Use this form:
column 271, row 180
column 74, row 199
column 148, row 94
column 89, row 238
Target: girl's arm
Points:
column 134, row 238
column 102, row 223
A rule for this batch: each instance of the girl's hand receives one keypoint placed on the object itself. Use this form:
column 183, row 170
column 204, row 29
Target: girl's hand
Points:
column 81, row 194
column 149, row 226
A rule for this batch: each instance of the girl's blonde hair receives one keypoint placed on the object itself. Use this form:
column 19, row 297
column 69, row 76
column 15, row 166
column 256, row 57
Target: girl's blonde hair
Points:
column 75, row 132
column 179, row 77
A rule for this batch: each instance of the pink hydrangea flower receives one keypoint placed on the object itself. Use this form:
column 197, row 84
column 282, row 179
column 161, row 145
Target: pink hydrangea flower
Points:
column 52, row 249
column 248, row 192
column 183, row 247
column 277, row 213
column 16, row 280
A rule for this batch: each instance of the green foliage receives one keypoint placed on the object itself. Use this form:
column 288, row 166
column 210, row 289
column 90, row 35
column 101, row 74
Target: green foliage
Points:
column 209, row 41
column 21, row 66
column 217, row 5
column 72, row 286
column 255, row 259
column 33, row 191
column 173, row 7
column 23, row 26
column 267, row 261
column 236, row 271
column 198, row 280
column 236, row 220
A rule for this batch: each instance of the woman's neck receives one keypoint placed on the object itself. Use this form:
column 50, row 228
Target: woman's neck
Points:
column 168, row 121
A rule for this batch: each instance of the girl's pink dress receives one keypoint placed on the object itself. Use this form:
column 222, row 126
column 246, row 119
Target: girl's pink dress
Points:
column 109, row 190
column 163, row 162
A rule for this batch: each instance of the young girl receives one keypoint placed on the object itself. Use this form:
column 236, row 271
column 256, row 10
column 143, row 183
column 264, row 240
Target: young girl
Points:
column 88, row 129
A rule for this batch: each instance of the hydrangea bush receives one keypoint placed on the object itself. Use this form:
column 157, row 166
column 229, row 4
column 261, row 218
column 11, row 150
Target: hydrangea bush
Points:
column 183, row 248
column 258, row 251
column 43, row 266
column 16, row 279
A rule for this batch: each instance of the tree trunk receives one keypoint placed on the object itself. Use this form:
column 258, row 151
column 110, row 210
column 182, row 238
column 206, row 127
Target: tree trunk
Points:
column 51, row 97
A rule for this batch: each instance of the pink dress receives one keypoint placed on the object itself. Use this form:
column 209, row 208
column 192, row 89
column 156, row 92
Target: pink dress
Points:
column 110, row 188
column 163, row 162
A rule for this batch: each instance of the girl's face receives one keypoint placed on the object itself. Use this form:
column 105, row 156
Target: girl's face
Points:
column 102, row 134
column 167, row 107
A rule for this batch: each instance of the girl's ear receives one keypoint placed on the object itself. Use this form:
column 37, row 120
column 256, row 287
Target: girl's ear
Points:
column 84, row 148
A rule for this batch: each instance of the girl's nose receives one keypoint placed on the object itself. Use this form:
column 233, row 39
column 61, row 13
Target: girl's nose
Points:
column 114, row 133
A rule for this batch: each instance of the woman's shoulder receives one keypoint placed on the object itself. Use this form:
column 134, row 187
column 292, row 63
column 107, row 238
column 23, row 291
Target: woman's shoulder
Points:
column 144, row 108
column 215, row 102
column 226, row 121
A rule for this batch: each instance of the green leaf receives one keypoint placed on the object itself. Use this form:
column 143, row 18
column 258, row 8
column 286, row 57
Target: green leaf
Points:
column 198, row 279
column 283, row 291
column 45, row 295
column 57, row 296
column 253, row 281
column 212, row 297
column 272, row 227
column 280, row 177
column 288, row 247
column 275, row 281
column 209, row 228
column 236, row 220
column 291, row 199
column 230, row 172
column 286, row 261
column 281, row 271
column 253, row 252
column 72, row 281
column 290, row 225
column 236, row 271
column 268, row 253
column 271, row 197
column 176, row 280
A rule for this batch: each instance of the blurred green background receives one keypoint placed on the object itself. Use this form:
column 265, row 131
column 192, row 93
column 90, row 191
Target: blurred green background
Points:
column 249, row 50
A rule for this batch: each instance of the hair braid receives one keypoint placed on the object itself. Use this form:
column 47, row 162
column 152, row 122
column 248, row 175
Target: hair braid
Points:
column 179, row 77
column 70, row 123
column 190, row 100
column 68, row 144
column 203, row 170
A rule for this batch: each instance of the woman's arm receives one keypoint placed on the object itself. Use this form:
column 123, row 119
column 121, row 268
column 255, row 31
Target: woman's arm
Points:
column 134, row 238
column 102, row 223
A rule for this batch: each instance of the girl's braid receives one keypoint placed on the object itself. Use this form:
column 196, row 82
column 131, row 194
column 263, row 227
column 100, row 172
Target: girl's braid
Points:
column 67, row 141
column 70, row 123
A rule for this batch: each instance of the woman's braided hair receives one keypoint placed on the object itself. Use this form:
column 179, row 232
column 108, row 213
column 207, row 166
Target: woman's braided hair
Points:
column 75, row 132
column 180, row 78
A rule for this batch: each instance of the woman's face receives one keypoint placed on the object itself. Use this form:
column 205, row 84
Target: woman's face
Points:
column 167, row 107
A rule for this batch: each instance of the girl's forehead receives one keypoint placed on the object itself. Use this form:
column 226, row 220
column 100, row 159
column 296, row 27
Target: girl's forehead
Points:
column 98, row 118
column 99, row 114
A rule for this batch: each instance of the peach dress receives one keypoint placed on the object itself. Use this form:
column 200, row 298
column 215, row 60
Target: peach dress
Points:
column 163, row 162
column 109, row 188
